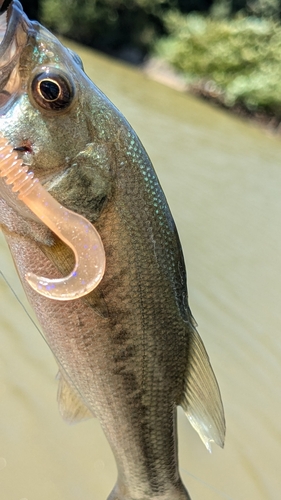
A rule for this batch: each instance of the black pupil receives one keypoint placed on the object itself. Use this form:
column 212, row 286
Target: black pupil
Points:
column 49, row 90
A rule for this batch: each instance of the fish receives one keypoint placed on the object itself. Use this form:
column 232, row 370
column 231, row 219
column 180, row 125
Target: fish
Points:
column 128, row 351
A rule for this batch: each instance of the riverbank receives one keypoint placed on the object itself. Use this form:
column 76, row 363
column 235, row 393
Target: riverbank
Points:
column 159, row 70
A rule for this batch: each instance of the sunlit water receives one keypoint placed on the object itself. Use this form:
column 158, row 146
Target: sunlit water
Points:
column 222, row 178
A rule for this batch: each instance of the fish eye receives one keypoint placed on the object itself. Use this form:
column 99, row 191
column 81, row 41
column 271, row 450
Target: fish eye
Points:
column 52, row 90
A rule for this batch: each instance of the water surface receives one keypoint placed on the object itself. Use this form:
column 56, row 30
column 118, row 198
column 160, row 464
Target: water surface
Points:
column 222, row 178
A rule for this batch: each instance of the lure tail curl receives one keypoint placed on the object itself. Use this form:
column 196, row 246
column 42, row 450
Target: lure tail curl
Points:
column 73, row 229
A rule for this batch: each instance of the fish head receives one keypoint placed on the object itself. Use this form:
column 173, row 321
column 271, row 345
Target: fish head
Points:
column 53, row 115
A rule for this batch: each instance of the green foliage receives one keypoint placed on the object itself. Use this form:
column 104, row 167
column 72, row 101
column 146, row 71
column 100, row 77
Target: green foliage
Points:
column 111, row 24
column 107, row 24
column 240, row 59
column 264, row 8
column 257, row 8
column 193, row 5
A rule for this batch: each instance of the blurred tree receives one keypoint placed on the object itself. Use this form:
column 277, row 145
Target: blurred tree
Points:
column 122, row 27
column 263, row 8
column 235, row 61
column 194, row 5
column 237, row 5
column 258, row 8
column 109, row 25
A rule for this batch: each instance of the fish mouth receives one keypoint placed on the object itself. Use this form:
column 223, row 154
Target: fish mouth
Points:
column 13, row 38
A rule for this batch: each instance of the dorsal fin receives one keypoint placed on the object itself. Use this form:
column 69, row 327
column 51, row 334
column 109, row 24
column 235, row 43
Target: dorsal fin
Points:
column 202, row 400
column 71, row 406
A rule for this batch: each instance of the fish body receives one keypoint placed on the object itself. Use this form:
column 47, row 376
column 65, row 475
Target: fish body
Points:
column 128, row 352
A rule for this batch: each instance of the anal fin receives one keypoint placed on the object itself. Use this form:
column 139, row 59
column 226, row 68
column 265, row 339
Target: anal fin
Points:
column 202, row 400
column 71, row 406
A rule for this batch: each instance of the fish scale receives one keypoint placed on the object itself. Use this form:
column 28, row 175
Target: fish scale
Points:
column 128, row 352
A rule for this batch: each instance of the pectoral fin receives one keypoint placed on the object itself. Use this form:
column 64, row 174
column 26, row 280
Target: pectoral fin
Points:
column 71, row 407
column 202, row 400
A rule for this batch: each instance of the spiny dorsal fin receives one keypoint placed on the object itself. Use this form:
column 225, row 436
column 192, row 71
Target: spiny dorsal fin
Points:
column 71, row 407
column 202, row 400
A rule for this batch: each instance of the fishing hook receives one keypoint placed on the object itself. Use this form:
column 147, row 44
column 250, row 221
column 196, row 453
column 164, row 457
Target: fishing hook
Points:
column 73, row 229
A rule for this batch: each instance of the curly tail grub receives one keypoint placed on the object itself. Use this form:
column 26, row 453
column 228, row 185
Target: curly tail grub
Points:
column 73, row 229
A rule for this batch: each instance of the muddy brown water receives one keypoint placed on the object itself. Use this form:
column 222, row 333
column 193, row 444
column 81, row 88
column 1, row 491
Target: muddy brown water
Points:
column 222, row 178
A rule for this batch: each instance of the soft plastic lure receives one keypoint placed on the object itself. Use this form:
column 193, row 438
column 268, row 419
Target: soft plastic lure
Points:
column 73, row 229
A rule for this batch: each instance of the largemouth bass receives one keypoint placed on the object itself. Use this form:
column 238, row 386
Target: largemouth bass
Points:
column 128, row 351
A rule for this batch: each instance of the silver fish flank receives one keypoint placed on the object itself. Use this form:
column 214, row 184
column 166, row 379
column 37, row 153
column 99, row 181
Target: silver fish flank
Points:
column 128, row 352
